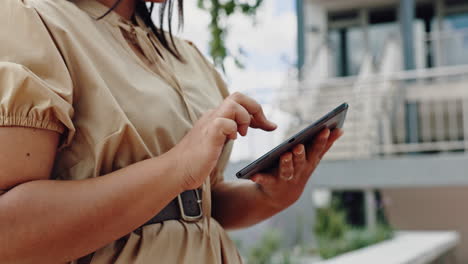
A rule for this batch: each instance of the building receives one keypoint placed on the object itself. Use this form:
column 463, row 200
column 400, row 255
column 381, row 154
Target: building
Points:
column 403, row 68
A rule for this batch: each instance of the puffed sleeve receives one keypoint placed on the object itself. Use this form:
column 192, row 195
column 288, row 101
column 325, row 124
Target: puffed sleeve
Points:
column 36, row 89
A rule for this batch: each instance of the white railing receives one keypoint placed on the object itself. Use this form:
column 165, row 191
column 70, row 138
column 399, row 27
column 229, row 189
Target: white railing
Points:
column 377, row 123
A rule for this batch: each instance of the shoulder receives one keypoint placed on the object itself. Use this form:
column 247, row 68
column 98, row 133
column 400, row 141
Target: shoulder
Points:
column 15, row 11
column 49, row 7
column 53, row 8
column 186, row 45
column 56, row 12
column 190, row 51
column 193, row 48
column 199, row 59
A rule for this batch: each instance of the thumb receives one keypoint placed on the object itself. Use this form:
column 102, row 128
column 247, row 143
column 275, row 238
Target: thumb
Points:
column 222, row 129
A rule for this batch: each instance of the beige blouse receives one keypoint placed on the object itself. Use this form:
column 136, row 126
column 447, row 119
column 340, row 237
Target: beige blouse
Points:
column 115, row 103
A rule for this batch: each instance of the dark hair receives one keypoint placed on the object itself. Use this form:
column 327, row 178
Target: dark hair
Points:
column 142, row 10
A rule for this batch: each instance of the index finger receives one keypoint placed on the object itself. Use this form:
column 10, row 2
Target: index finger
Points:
column 259, row 119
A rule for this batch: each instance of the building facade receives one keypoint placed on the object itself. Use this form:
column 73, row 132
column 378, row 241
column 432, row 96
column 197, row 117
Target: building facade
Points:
column 403, row 68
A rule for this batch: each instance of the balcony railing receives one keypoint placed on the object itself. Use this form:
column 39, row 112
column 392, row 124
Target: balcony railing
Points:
column 378, row 122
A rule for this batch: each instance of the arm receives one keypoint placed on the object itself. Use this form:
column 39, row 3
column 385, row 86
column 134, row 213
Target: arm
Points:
column 243, row 204
column 46, row 221
column 38, row 217
column 240, row 204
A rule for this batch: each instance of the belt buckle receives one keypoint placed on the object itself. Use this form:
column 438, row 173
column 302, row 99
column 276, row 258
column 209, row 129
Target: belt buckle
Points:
column 189, row 218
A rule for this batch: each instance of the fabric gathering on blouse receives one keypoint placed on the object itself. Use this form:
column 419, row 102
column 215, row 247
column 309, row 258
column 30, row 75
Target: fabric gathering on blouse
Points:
column 117, row 97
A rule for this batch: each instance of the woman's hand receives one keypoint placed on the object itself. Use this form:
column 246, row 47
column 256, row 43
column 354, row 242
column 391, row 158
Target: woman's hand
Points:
column 198, row 152
column 286, row 184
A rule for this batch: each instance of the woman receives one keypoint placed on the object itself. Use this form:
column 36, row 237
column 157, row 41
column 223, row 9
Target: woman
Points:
column 109, row 150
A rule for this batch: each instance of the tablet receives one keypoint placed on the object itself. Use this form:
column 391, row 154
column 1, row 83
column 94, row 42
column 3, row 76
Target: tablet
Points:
column 332, row 120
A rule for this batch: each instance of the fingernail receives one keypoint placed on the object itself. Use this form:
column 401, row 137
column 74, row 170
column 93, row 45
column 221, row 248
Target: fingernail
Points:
column 299, row 151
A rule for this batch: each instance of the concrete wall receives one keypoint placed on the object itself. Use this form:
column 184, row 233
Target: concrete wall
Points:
column 435, row 208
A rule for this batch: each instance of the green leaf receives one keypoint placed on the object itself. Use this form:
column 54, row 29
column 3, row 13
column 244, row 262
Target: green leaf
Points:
column 229, row 8
column 222, row 11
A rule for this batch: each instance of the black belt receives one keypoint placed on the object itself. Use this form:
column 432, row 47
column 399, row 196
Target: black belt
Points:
column 186, row 206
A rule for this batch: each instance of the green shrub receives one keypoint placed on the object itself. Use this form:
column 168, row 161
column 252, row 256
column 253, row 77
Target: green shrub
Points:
column 335, row 236
column 263, row 252
column 330, row 222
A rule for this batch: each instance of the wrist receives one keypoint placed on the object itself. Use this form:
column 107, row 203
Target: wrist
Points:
column 275, row 199
column 174, row 172
column 267, row 199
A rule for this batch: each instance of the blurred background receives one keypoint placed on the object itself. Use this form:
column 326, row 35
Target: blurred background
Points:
column 394, row 189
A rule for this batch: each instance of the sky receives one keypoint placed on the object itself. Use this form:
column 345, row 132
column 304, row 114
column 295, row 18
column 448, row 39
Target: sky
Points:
column 270, row 46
